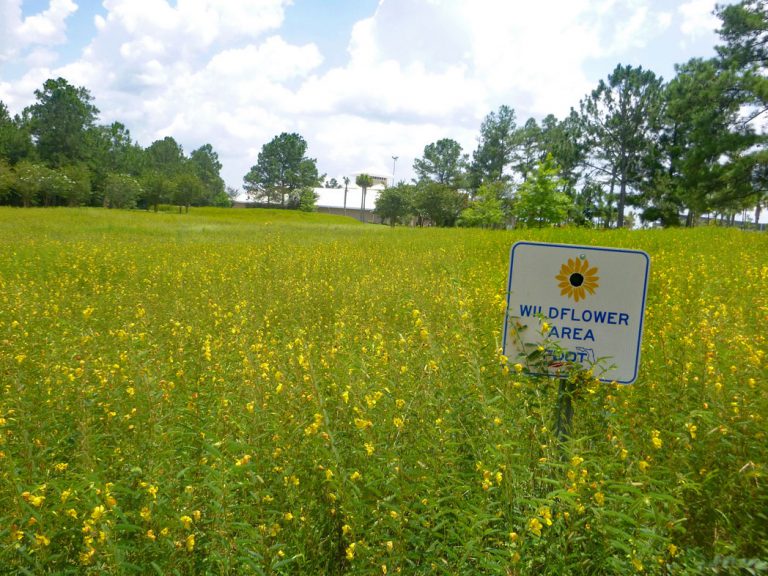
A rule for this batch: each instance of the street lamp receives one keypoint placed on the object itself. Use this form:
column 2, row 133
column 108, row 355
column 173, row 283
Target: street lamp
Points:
column 394, row 163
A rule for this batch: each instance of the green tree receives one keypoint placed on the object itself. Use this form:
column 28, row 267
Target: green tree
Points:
column 205, row 162
column 166, row 156
column 346, row 187
column 187, row 187
column 365, row 182
column 701, row 141
column 282, row 171
column 121, row 191
column 442, row 162
column 496, row 147
column 540, row 199
column 156, row 189
column 78, row 190
column 29, row 182
column 7, row 179
column 60, row 120
column 744, row 30
column 395, row 203
column 437, row 203
column 490, row 207
column 621, row 118
column 15, row 139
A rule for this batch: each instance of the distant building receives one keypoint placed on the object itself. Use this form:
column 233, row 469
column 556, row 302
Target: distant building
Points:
column 331, row 200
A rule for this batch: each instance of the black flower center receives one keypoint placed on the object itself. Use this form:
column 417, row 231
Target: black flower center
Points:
column 576, row 279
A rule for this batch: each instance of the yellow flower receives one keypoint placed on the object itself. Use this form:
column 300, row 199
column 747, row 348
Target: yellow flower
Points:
column 41, row 540
column 546, row 514
column 398, row 422
column 190, row 542
column 350, row 552
column 145, row 514
column 361, row 424
column 186, row 521
column 151, row 535
column 369, row 448
column 535, row 526
column 655, row 440
column 577, row 278
column 643, row 465
column 34, row 500
column 599, row 498
column 355, row 476
column 672, row 549
column 97, row 512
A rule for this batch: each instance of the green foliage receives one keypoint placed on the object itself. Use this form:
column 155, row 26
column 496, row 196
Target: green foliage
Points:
column 540, row 200
column 365, row 182
column 121, row 191
column 489, row 209
column 307, row 200
column 206, row 165
column 282, row 171
column 443, row 163
column 395, row 203
column 437, row 204
column 348, row 408
column 166, row 156
column 621, row 120
column 60, row 120
column 7, row 179
column 496, row 147
column 29, row 182
column 15, row 139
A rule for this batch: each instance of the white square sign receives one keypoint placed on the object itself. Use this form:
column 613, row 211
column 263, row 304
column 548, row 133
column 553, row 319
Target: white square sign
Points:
column 576, row 304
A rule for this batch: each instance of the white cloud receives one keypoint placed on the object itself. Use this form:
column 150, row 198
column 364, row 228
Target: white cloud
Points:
column 697, row 18
column 417, row 70
column 48, row 28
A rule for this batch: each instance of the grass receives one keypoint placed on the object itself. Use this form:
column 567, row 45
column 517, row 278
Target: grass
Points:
column 248, row 391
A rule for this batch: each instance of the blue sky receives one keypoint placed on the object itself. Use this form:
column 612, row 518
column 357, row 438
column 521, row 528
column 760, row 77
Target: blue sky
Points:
column 361, row 80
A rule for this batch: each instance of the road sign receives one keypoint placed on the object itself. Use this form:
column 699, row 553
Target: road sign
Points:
column 571, row 304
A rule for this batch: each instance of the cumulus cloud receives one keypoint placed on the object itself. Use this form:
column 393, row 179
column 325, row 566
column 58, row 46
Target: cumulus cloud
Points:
column 48, row 28
column 416, row 70
column 697, row 18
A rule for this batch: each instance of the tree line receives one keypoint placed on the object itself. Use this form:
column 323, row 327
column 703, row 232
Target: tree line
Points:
column 670, row 151
column 55, row 154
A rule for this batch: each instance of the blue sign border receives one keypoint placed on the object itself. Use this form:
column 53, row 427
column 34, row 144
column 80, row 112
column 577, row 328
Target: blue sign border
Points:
column 582, row 247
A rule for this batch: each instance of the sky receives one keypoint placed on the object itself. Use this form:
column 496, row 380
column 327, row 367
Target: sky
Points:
column 362, row 81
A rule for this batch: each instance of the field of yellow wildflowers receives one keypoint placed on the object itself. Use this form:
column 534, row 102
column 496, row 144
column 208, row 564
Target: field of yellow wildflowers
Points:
column 250, row 392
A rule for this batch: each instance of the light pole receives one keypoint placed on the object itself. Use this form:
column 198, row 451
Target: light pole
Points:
column 394, row 163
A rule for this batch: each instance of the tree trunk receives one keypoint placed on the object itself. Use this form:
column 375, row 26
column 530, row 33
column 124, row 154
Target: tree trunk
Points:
column 620, row 206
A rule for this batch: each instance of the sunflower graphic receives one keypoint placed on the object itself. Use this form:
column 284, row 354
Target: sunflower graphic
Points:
column 577, row 278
